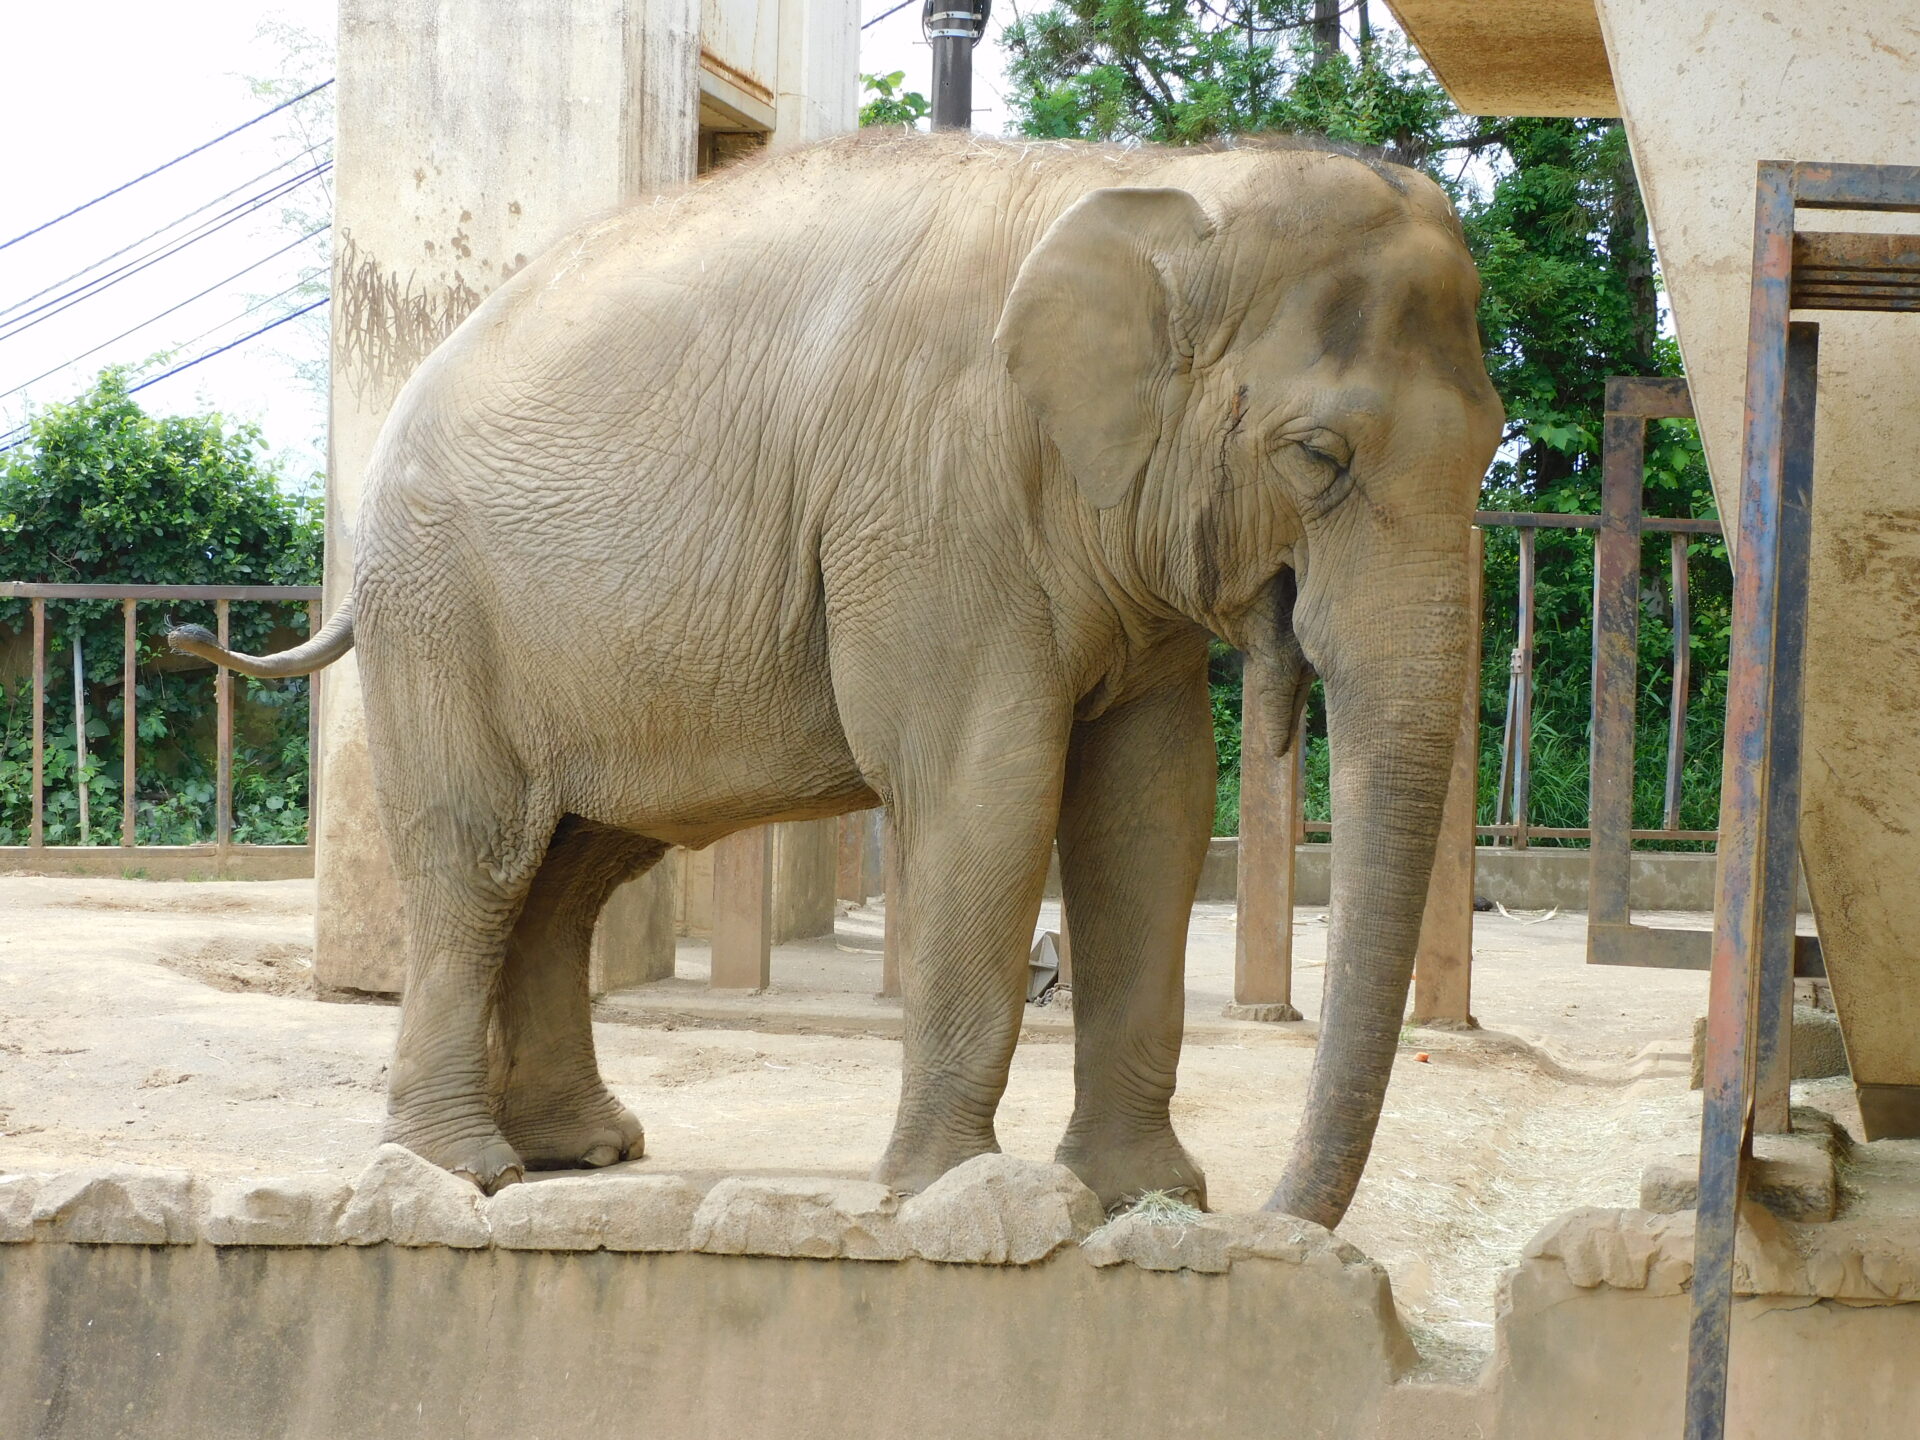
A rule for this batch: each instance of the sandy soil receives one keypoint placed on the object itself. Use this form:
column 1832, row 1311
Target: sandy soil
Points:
column 175, row 1023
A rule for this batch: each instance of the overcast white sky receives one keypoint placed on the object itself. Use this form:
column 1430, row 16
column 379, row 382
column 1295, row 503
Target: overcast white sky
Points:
column 98, row 92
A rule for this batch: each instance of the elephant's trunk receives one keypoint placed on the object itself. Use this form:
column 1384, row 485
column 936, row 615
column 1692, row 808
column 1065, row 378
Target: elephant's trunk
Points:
column 1393, row 679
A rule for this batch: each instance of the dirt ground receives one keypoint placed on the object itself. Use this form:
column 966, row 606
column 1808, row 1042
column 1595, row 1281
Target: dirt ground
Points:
column 177, row 1024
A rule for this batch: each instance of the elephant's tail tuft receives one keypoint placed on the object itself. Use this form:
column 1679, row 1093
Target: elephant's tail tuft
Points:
column 333, row 641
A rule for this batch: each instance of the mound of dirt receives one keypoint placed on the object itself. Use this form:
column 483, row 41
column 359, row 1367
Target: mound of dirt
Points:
column 268, row 968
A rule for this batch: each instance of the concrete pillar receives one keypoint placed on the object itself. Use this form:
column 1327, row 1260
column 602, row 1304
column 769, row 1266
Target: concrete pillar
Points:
column 1709, row 89
column 1269, row 819
column 1443, row 965
column 471, row 137
column 634, row 941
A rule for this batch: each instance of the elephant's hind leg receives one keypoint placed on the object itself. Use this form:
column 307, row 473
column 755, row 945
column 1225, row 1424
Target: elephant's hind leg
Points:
column 552, row 1105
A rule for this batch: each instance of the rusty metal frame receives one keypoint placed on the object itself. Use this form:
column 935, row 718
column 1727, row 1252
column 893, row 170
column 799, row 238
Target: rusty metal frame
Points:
column 1746, row 1065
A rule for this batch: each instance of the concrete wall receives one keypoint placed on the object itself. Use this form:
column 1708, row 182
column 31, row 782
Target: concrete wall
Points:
column 1708, row 89
column 159, row 1305
column 470, row 138
column 1532, row 879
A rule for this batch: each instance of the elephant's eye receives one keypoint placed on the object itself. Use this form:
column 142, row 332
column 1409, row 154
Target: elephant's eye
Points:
column 1323, row 445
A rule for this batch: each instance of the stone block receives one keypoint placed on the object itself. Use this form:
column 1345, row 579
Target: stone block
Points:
column 1620, row 1249
column 118, row 1205
column 804, row 1218
column 595, row 1212
column 1818, row 1049
column 16, row 1207
column 633, row 942
column 289, row 1210
column 401, row 1199
column 1795, row 1176
column 999, row 1210
column 1157, row 1243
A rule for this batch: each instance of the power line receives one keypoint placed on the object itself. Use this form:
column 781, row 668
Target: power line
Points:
column 62, row 303
column 25, row 234
column 177, row 369
column 885, row 13
column 86, row 269
column 181, row 306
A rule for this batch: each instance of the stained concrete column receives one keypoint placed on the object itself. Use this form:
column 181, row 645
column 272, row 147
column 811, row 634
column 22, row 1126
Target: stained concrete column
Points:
column 470, row 138
column 1708, row 90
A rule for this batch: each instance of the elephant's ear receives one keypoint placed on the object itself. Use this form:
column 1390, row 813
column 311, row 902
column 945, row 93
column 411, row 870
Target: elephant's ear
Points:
column 1090, row 331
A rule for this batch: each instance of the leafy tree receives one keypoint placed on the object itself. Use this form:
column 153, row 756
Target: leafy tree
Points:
column 103, row 492
column 1556, row 223
column 890, row 102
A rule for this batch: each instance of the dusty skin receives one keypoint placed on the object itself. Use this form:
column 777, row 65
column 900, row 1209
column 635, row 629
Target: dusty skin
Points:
column 173, row 1024
column 697, row 523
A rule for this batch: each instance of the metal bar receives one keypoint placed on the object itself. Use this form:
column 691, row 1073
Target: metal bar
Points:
column 1825, row 254
column 223, row 738
column 37, row 826
column 1682, row 683
column 1503, row 790
column 129, row 727
column 80, row 734
column 1834, row 186
column 1443, row 964
column 313, row 733
column 1616, row 667
column 1780, row 855
column 1523, row 695
column 1650, row 397
column 1269, row 805
column 743, row 911
column 1547, row 520
column 26, row 590
column 1743, row 813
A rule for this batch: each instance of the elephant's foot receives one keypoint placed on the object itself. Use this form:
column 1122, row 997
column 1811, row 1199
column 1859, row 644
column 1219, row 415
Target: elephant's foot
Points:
column 568, row 1133
column 913, row 1162
column 486, row 1160
column 1122, row 1168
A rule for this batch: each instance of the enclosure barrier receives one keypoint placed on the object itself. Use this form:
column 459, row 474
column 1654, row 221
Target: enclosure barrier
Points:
column 36, row 852
column 1748, row 1064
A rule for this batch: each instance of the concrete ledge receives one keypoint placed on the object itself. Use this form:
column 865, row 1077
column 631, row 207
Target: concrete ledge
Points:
column 146, row 1330
column 1532, row 879
column 161, row 862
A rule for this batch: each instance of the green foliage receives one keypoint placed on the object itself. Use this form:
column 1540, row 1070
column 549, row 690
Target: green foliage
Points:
column 102, row 493
column 1555, row 221
column 890, row 103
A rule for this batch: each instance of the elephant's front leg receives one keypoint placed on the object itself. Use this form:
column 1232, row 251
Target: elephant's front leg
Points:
column 1133, row 834
column 974, row 806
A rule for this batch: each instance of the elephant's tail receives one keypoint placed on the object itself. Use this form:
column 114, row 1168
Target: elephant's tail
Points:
column 333, row 641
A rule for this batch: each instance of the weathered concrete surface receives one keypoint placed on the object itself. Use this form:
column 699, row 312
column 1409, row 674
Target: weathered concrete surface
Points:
column 1709, row 89
column 409, row 1339
column 161, row 862
column 1531, row 879
column 634, row 942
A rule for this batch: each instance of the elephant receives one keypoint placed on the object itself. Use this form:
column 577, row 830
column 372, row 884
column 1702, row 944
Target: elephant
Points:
column 917, row 471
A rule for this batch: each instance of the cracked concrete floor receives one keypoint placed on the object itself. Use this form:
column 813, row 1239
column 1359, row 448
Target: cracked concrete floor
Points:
column 175, row 1023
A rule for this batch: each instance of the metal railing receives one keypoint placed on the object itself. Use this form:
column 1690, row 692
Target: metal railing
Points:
column 130, row 597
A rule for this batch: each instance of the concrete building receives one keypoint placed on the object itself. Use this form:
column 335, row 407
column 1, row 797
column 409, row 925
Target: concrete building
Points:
column 1708, row 90
column 471, row 136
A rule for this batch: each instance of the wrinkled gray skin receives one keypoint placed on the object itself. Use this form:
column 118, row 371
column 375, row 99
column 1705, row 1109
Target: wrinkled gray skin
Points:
column 916, row 471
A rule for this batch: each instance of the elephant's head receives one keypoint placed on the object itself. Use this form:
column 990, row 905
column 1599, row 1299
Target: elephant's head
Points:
column 1268, row 384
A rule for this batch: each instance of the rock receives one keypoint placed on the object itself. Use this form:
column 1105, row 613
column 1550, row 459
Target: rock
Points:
column 1275, row 1013
column 16, row 1207
column 1154, row 1244
column 1622, row 1249
column 595, row 1212
column 1796, row 1176
column 118, row 1205
column 800, row 1218
column 1818, row 1050
column 997, row 1210
column 404, row 1200
column 294, row 1210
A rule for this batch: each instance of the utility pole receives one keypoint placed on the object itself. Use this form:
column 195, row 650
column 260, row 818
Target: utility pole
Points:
column 953, row 32
column 1326, row 30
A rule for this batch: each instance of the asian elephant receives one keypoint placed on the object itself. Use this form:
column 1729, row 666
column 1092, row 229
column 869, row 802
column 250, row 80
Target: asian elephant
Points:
column 917, row 471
